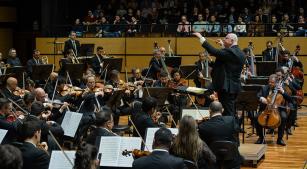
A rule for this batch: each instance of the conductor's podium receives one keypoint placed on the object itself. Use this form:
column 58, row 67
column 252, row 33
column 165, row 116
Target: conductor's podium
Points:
column 253, row 152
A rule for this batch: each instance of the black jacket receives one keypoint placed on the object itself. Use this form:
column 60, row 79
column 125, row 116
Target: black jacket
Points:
column 9, row 94
column 34, row 157
column 95, row 135
column 156, row 66
column 68, row 45
column 142, row 121
column 96, row 64
column 30, row 64
column 159, row 160
column 227, row 68
column 267, row 56
column 221, row 128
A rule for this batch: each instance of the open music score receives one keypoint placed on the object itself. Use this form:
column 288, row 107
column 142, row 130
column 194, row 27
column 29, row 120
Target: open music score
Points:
column 2, row 134
column 150, row 133
column 71, row 123
column 111, row 149
column 59, row 161
column 196, row 114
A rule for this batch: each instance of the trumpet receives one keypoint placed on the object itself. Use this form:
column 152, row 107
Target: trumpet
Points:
column 44, row 60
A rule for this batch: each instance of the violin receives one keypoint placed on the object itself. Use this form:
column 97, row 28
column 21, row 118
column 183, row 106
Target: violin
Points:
column 71, row 90
column 20, row 92
column 14, row 115
column 136, row 153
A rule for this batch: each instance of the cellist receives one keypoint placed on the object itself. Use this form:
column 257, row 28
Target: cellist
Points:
column 263, row 95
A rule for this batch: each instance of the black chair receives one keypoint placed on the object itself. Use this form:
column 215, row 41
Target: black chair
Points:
column 190, row 164
column 224, row 151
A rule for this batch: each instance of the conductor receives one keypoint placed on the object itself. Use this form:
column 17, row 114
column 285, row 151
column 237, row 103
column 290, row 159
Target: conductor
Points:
column 226, row 70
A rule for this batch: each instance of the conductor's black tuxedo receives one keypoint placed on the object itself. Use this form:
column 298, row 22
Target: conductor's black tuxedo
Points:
column 159, row 160
column 226, row 74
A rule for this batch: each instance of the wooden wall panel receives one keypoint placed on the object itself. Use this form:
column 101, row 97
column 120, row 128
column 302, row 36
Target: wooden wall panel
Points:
column 7, row 14
column 145, row 45
column 6, row 40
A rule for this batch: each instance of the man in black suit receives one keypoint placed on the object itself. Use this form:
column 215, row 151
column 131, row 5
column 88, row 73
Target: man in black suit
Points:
column 34, row 61
column 163, row 80
column 226, row 70
column 97, row 60
column 33, row 157
column 160, row 157
column 201, row 69
column 269, row 54
column 221, row 128
column 11, row 86
column 155, row 64
column 144, row 120
column 73, row 44
column 262, row 96
column 104, row 124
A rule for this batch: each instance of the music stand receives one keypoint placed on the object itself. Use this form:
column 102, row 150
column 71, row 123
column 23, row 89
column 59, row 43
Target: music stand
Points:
column 41, row 72
column 257, row 80
column 246, row 101
column 112, row 63
column 160, row 93
column 87, row 49
column 75, row 71
column 16, row 72
column 173, row 62
column 188, row 71
column 265, row 68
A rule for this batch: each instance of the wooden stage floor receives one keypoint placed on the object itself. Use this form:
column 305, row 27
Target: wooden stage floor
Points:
column 292, row 156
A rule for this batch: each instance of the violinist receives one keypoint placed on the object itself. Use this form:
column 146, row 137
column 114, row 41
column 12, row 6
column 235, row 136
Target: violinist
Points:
column 11, row 87
column 160, row 156
column 177, row 80
column 114, row 79
column 104, row 124
column 68, row 59
column 163, row 80
column 262, row 95
column 148, row 117
column 64, row 92
column 155, row 64
column 49, row 87
column 136, row 77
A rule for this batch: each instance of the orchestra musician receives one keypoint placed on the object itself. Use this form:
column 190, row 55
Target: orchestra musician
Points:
column 136, row 76
column 68, row 59
column 262, row 96
column 287, row 60
column 160, row 156
column 13, row 59
column 97, row 60
column 35, row 60
column 269, row 54
column 163, row 80
column 86, row 155
column 226, row 70
column 201, row 68
column 104, row 124
column 155, row 64
column 11, row 86
column 72, row 43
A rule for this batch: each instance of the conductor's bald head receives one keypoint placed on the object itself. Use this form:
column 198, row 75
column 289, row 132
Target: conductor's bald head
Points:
column 215, row 108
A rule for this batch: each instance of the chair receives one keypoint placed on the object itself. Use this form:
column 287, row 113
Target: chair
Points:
column 121, row 129
column 224, row 151
column 190, row 164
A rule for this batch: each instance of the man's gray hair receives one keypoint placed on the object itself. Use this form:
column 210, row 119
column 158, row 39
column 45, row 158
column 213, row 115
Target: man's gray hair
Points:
column 234, row 37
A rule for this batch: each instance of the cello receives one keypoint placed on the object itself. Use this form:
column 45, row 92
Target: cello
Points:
column 270, row 117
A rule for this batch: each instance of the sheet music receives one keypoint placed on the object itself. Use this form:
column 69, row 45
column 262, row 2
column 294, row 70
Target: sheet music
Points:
column 195, row 114
column 128, row 143
column 71, row 123
column 59, row 161
column 2, row 134
column 111, row 149
column 150, row 133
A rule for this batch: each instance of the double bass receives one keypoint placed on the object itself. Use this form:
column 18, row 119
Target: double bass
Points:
column 270, row 117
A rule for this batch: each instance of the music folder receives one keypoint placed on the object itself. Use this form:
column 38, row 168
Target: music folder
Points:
column 2, row 134
column 59, row 161
column 197, row 114
column 150, row 133
column 111, row 149
column 71, row 123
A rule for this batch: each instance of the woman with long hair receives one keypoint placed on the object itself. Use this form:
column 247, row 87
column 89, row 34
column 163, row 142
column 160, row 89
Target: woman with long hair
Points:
column 189, row 146
column 86, row 157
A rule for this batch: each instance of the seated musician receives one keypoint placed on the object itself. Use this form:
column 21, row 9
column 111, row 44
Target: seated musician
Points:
column 114, row 79
column 136, row 77
column 286, row 59
column 104, row 124
column 148, row 118
column 34, row 61
column 8, row 121
column 11, row 157
column 13, row 59
column 155, row 64
column 160, row 156
column 262, row 95
column 63, row 92
column 177, row 80
column 68, row 59
column 33, row 157
column 221, row 128
column 163, row 80
column 201, row 68
column 11, row 87
column 97, row 60
column 49, row 87
column 188, row 145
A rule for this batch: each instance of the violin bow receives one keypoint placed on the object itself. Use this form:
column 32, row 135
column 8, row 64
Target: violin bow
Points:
column 138, row 133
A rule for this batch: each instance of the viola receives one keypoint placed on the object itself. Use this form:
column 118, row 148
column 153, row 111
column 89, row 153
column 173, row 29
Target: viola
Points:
column 136, row 153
